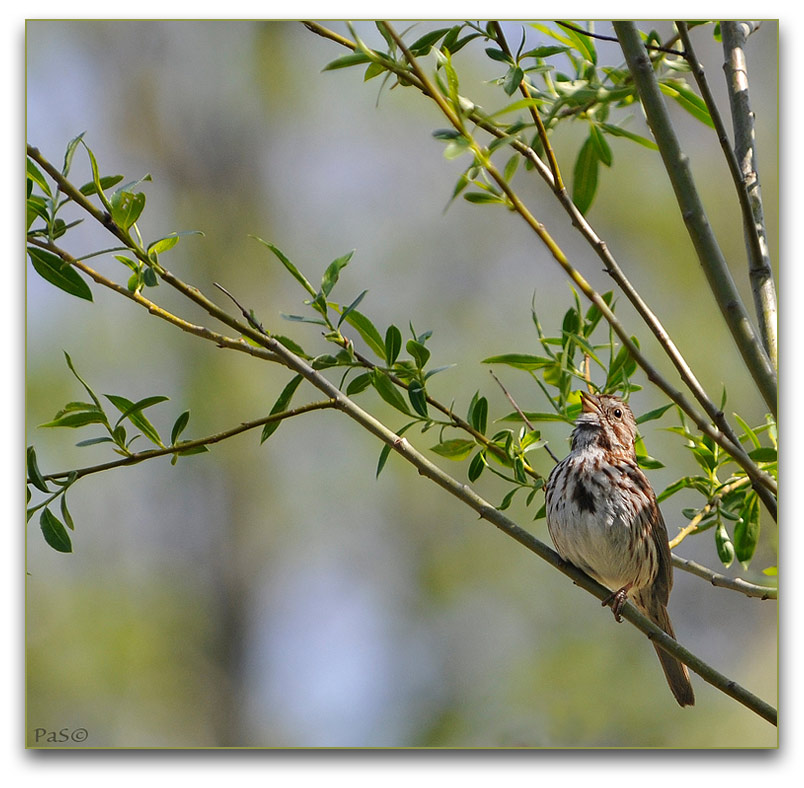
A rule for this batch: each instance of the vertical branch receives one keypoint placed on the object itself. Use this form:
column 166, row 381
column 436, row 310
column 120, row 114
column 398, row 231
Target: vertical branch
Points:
column 706, row 246
column 762, row 286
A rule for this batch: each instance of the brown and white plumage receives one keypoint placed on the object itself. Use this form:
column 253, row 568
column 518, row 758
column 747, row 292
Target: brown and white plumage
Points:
column 603, row 518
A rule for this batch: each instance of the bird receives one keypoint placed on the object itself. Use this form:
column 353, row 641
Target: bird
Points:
column 603, row 518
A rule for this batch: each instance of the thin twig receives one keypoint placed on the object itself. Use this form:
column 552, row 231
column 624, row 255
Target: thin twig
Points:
column 178, row 448
column 601, row 37
column 534, row 113
column 721, row 581
column 191, row 328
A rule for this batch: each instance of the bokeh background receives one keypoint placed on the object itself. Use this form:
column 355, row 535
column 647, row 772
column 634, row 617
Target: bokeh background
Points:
column 279, row 595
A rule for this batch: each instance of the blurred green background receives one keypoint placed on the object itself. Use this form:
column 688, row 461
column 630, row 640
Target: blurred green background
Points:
column 277, row 595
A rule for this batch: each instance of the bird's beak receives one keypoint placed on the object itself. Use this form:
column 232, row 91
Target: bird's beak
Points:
column 589, row 403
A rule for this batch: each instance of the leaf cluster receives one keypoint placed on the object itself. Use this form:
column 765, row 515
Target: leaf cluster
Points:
column 77, row 414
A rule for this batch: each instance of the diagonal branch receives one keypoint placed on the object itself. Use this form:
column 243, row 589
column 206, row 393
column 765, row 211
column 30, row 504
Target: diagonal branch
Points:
column 491, row 514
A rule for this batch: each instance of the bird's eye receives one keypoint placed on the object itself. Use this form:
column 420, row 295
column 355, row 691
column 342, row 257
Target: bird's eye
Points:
column 618, row 414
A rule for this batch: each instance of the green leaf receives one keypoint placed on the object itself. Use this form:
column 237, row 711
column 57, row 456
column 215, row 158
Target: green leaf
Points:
column 584, row 44
column 178, row 426
column 358, row 384
column 32, row 172
column 297, row 275
column 140, row 405
column 478, row 413
column 545, row 51
column 333, row 271
column 127, row 207
column 34, row 475
column 54, row 532
column 163, row 244
column 96, row 179
column 681, row 92
column 418, row 398
column 619, row 131
column 70, row 152
column 54, row 270
column 351, row 306
column 393, row 344
column 519, row 361
column 506, row 501
column 95, row 441
column 477, row 466
column 388, row 391
column 648, row 463
column 750, row 434
column 455, row 448
column 746, row 531
column 601, row 146
column 81, row 380
column 421, row 46
column 420, row 354
column 106, row 182
column 280, row 405
column 354, row 59
column 77, row 419
column 699, row 483
column 498, row 55
column 373, row 70
column 725, row 548
column 651, row 415
column 584, row 182
column 512, row 80
column 763, row 454
column 128, row 408
column 367, row 331
column 483, row 197
column 65, row 513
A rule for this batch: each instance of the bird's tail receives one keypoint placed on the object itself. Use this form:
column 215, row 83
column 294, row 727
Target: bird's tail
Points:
column 678, row 677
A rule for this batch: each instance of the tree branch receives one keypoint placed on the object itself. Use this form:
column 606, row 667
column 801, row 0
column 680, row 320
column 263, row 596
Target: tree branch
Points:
column 761, row 273
column 178, row 448
column 692, row 210
column 721, row 581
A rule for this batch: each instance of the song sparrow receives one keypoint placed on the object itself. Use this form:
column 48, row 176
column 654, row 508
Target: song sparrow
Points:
column 603, row 518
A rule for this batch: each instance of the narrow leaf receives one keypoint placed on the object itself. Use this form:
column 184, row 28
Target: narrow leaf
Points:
column 54, row 270
column 367, row 331
column 746, row 531
column 297, row 275
column 128, row 408
column 32, row 171
column 280, row 405
column 54, row 532
column 584, row 183
column 519, row 361
column 651, row 415
column 34, row 475
column 388, row 391
column 351, row 306
column 333, row 271
column 178, row 426
column 455, row 448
